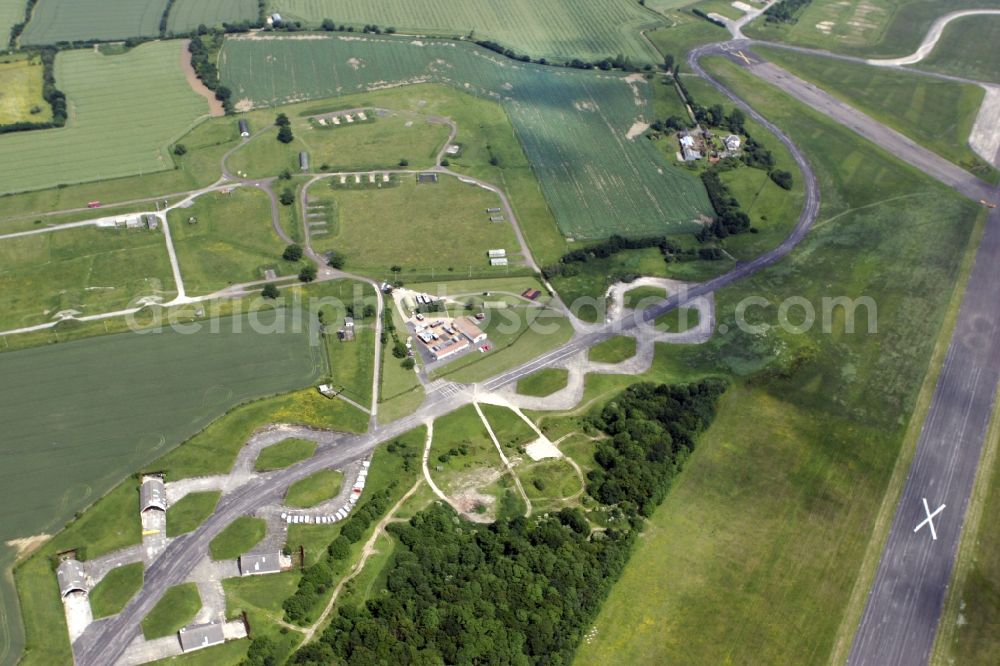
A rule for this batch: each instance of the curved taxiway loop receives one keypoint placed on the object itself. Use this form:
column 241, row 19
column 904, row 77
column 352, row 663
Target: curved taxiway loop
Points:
column 931, row 40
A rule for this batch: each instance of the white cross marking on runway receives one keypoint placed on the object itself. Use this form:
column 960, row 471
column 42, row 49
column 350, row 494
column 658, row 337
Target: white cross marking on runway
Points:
column 929, row 520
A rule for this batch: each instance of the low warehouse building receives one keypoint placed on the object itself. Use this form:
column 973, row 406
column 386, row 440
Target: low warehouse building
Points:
column 255, row 564
column 468, row 329
column 200, row 636
column 244, row 129
column 304, row 161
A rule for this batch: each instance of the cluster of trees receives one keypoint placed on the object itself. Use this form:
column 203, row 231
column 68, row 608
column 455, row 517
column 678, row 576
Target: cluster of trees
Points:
column 522, row 590
column 784, row 11
column 653, row 430
column 317, row 578
column 284, row 128
column 515, row 592
column 671, row 251
column 202, row 60
column 730, row 220
column 52, row 95
column 329, row 26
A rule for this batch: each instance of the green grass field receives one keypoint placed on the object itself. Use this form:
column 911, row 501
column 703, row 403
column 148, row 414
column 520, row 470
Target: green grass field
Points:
column 510, row 429
column 678, row 320
column 114, row 591
column 936, row 114
column 187, row 15
column 190, row 511
column 559, row 30
column 231, row 240
column 967, row 48
column 314, row 489
column 573, row 125
column 544, row 382
column 684, row 32
column 284, row 454
column 350, row 361
column 882, row 28
column 21, row 89
column 439, row 228
column 643, row 297
column 81, row 20
column 382, row 144
column 462, row 475
column 87, row 270
column 753, row 555
column 104, row 137
column 239, row 537
column 550, row 484
column 613, row 350
column 175, row 609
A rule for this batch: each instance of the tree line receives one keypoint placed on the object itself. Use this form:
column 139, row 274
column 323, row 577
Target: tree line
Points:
column 522, row 590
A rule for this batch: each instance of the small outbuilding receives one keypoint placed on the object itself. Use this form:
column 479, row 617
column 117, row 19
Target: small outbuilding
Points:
column 498, row 261
column 152, row 494
column 304, row 161
column 200, row 636
column 256, row 564
column 244, row 129
column 427, row 178
column 732, row 143
column 497, row 253
column 71, row 577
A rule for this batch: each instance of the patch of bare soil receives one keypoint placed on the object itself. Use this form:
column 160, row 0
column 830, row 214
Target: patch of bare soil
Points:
column 27, row 545
column 214, row 106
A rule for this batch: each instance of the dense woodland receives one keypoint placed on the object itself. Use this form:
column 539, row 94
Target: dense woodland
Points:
column 522, row 591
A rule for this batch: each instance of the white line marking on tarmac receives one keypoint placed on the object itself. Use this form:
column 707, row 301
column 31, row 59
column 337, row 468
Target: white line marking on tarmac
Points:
column 929, row 520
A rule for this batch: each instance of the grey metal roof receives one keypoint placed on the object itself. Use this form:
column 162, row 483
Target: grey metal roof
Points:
column 199, row 636
column 71, row 577
column 259, row 563
column 152, row 494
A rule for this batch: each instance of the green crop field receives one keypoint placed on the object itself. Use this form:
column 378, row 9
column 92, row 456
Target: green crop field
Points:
column 434, row 227
column 11, row 12
column 936, row 114
column 753, row 555
column 81, row 20
column 573, row 125
column 87, row 270
column 882, row 28
column 230, row 241
column 187, row 15
column 21, row 90
column 124, row 111
column 968, row 48
column 556, row 29
column 104, row 418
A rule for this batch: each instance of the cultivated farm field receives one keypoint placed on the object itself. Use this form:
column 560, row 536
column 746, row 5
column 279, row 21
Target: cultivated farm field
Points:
column 21, row 86
column 187, row 15
column 79, row 416
column 81, row 20
column 11, row 12
column 574, row 125
column 124, row 111
column 555, row 29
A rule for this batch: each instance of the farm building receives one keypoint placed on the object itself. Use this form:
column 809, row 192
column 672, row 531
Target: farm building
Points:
column 275, row 18
column 200, row 636
column 531, row 294
column 453, row 149
column 327, row 390
column 496, row 218
column 152, row 494
column 466, row 327
column 71, row 577
column 256, row 564
column 498, row 261
column 496, row 254
column 495, row 209
column 304, row 161
column 244, row 129
column 427, row 178
column 152, row 222
column 732, row 143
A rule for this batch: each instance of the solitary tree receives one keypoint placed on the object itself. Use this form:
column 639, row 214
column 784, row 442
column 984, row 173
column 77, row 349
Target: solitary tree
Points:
column 292, row 253
column 408, row 363
column 180, row 149
column 270, row 291
column 782, row 179
column 287, row 197
column 282, row 120
column 335, row 260
column 285, row 134
column 404, row 162
column 308, row 273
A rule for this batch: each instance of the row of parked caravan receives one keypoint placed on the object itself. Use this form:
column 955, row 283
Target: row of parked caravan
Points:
column 339, row 514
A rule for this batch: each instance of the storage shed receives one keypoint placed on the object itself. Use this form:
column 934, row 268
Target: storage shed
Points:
column 71, row 577
column 152, row 494
column 200, row 636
